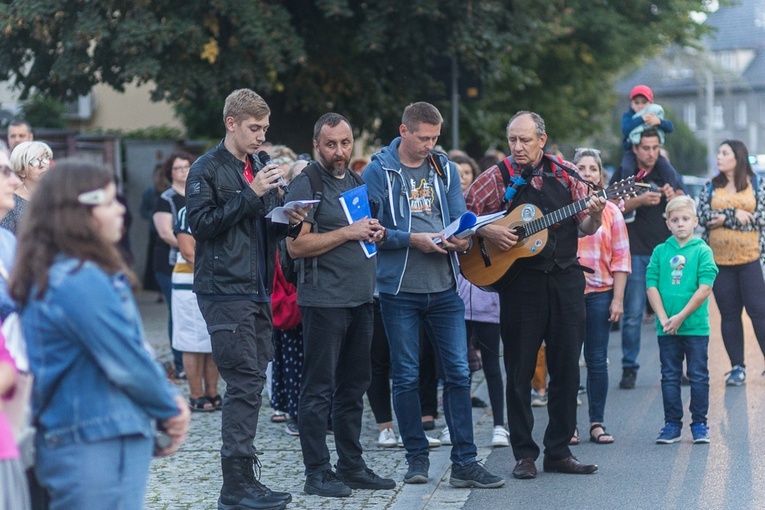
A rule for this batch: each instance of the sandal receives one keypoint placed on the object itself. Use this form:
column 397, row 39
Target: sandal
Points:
column 278, row 417
column 216, row 401
column 575, row 438
column 598, row 439
column 197, row 405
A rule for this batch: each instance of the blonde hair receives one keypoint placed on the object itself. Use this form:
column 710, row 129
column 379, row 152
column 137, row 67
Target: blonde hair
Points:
column 680, row 202
column 283, row 152
column 25, row 152
column 244, row 103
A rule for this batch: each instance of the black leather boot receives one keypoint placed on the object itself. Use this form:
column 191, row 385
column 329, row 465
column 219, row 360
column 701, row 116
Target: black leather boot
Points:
column 241, row 489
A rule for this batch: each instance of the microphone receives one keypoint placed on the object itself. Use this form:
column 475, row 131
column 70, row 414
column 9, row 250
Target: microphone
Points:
column 266, row 160
column 518, row 182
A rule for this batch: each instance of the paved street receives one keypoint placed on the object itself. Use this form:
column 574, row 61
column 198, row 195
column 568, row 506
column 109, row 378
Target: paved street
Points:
column 634, row 472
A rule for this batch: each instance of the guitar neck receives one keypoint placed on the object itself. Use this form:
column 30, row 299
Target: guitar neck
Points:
column 559, row 215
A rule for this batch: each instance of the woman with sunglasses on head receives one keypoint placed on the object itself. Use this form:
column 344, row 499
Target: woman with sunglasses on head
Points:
column 30, row 161
column 97, row 391
column 607, row 253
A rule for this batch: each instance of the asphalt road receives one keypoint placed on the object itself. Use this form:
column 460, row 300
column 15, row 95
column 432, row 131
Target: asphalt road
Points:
column 636, row 473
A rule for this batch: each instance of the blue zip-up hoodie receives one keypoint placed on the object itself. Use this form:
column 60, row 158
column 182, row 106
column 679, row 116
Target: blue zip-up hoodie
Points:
column 385, row 185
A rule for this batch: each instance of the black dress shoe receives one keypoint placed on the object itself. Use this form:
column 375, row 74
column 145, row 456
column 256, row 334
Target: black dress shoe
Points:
column 568, row 465
column 525, row 469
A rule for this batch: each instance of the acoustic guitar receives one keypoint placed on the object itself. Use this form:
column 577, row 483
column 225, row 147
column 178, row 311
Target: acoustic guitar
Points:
column 491, row 268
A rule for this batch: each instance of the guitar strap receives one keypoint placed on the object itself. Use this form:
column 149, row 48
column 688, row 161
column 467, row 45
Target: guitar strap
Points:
column 573, row 173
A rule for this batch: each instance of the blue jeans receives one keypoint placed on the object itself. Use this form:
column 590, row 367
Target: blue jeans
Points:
column 634, row 308
column 596, row 351
column 103, row 474
column 443, row 315
column 672, row 349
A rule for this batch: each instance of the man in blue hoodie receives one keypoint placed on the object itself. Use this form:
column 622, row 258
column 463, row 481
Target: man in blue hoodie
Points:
column 419, row 194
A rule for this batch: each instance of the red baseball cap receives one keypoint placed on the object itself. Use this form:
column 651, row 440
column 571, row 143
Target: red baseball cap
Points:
column 642, row 90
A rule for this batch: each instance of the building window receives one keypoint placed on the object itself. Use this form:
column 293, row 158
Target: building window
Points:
column 741, row 120
column 689, row 115
column 718, row 119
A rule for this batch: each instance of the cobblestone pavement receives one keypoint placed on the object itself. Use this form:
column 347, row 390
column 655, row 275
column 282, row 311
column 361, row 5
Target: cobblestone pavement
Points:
column 191, row 478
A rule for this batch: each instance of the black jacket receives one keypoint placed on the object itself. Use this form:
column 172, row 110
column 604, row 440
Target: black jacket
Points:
column 222, row 211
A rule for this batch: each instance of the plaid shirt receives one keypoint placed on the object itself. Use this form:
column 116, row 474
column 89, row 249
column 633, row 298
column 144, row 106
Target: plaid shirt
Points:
column 485, row 194
column 606, row 251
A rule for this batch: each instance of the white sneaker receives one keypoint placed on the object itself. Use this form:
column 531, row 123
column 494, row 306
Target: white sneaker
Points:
column 446, row 438
column 500, row 437
column 387, row 438
column 432, row 442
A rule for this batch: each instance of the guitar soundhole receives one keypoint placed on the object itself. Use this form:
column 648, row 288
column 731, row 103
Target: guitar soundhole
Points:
column 520, row 231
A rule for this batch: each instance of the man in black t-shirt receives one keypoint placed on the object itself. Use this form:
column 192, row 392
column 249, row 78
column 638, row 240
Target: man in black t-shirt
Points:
column 646, row 231
column 335, row 294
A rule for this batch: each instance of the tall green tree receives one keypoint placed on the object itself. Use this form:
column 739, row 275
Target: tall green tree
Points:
column 365, row 59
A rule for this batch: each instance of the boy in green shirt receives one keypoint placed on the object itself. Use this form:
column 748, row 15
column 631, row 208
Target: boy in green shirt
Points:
column 679, row 280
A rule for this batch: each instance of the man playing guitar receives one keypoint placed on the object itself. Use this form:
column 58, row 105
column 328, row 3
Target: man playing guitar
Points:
column 545, row 301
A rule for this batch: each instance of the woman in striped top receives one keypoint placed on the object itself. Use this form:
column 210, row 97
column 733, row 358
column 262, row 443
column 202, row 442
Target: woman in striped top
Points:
column 607, row 253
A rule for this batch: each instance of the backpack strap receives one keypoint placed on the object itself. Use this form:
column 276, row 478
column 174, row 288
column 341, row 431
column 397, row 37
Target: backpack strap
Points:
column 314, row 177
column 356, row 177
column 504, row 168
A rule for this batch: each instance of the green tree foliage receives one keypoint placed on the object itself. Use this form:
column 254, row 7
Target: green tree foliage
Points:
column 44, row 112
column 366, row 59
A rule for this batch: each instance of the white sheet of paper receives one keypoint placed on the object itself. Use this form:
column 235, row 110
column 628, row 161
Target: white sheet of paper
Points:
column 278, row 214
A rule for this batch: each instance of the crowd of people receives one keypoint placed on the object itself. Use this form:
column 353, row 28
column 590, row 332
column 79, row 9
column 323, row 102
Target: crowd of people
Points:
column 357, row 290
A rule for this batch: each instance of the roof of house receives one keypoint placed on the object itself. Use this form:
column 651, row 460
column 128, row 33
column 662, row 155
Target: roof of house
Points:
column 737, row 27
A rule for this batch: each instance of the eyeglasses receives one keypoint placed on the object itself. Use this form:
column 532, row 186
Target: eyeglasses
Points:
column 182, row 167
column 6, row 171
column 39, row 162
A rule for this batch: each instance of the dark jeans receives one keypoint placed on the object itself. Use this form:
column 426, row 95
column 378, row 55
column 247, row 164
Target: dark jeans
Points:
column 165, row 282
column 336, row 373
column 379, row 387
column 598, row 331
column 634, row 308
column 736, row 288
column 428, row 377
column 487, row 339
column 242, row 346
column 549, row 306
column 672, row 350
